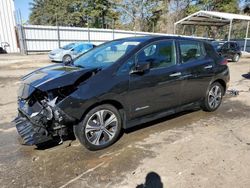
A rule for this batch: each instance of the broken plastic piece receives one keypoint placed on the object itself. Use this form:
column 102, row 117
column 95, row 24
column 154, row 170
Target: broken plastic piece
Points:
column 233, row 92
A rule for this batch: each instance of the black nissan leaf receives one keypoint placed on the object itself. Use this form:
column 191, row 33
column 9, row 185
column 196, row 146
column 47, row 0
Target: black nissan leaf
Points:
column 118, row 85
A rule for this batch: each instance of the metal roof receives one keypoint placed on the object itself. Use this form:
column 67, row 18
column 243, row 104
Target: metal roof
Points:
column 212, row 18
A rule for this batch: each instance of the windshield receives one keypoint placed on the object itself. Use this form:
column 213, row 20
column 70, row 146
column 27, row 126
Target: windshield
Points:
column 107, row 54
column 68, row 46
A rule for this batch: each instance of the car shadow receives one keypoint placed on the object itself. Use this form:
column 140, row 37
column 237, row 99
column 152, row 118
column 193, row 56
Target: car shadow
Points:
column 55, row 142
column 152, row 180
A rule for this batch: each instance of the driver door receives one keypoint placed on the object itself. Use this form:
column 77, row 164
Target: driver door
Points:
column 159, row 88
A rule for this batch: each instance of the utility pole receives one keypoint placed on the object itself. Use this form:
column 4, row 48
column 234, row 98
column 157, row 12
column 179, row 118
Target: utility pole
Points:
column 58, row 33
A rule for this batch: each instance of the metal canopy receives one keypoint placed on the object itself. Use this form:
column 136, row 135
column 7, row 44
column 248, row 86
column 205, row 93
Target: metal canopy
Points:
column 212, row 18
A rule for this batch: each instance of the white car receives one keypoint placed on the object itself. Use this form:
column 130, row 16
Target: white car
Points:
column 70, row 51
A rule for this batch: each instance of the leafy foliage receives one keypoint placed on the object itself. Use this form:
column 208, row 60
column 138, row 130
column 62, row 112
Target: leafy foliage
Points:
column 141, row 15
column 71, row 13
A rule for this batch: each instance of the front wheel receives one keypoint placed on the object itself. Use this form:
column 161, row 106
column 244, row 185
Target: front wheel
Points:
column 67, row 59
column 100, row 128
column 213, row 97
column 236, row 58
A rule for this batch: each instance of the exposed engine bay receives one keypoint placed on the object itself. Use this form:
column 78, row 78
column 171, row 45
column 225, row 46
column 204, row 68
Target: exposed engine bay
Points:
column 39, row 117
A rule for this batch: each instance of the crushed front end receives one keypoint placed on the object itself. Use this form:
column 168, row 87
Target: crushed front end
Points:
column 43, row 114
column 39, row 118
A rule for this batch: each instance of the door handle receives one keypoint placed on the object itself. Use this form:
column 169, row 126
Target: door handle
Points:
column 175, row 74
column 208, row 67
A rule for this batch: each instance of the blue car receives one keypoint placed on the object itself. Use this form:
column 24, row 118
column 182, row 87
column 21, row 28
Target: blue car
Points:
column 70, row 51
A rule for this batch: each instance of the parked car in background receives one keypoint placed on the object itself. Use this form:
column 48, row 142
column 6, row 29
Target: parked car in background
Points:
column 230, row 50
column 3, row 47
column 70, row 51
column 2, row 51
column 118, row 85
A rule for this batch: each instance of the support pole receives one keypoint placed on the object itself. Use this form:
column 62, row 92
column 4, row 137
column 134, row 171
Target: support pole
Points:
column 58, row 33
column 175, row 28
column 230, row 30
column 245, row 44
column 88, row 29
column 113, row 29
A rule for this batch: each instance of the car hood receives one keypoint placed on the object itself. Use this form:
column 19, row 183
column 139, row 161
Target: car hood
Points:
column 53, row 77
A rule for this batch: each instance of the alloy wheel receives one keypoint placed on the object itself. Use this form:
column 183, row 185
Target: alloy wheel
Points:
column 237, row 57
column 101, row 127
column 214, row 97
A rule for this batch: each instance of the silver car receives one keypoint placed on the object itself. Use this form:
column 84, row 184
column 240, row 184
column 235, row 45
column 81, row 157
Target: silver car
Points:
column 70, row 51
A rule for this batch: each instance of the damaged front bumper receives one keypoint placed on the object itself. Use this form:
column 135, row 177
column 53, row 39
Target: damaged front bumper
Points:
column 31, row 134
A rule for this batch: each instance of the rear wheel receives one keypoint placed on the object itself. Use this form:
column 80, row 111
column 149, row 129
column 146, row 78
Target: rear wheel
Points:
column 100, row 128
column 236, row 58
column 213, row 97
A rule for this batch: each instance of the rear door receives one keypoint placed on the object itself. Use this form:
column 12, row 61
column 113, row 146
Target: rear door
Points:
column 197, row 70
column 159, row 88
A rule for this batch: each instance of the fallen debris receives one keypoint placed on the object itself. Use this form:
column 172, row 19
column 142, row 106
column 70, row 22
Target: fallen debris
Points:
column 233, row 92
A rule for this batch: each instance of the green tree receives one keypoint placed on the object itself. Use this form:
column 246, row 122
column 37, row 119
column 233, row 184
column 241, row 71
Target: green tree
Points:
column 138, row 14
column 230, row 6
column 72, row 13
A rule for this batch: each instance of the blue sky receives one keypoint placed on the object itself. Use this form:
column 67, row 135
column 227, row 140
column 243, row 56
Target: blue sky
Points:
column 24, row 7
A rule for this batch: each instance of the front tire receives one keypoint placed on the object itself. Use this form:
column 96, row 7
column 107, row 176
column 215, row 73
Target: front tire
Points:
column 213, row 97
column 236, row 58
column 100, row 127
column 67, row 59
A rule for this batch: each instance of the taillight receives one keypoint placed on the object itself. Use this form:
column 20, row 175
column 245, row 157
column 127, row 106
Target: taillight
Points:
column 224, row 62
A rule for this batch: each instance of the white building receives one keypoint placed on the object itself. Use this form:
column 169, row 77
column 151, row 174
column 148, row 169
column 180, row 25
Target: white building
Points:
column 7, row 26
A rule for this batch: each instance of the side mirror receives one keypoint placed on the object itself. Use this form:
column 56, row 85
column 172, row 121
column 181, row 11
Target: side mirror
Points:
column 141, row 68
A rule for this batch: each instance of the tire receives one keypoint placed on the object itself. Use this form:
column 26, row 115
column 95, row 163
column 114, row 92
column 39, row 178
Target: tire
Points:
column 67, row 59
column 92, row 131
column 213, row 97
column 236, row 58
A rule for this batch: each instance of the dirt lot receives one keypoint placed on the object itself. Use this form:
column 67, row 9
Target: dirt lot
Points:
column 191, row 149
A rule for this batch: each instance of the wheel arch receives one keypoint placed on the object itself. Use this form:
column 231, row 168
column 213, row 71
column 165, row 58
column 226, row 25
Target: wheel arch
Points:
column 66, row 55
column 222, row 83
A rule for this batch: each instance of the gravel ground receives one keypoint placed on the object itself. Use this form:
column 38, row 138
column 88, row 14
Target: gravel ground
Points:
column 190, row 149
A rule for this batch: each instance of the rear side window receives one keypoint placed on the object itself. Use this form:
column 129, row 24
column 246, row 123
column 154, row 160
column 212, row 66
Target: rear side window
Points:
column 191, row 51
column 234, row 45
column 212, row 53
column 78, row 48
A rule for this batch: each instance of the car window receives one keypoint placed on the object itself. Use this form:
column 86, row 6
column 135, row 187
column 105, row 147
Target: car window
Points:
column 226, row 46
column 69, row 46
column 233, row 45
column 160, row 54
column 191, row 50
column 210, row 51
column 126, row 67
column 79, row 48
column 87, row 47
column 108, row 53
